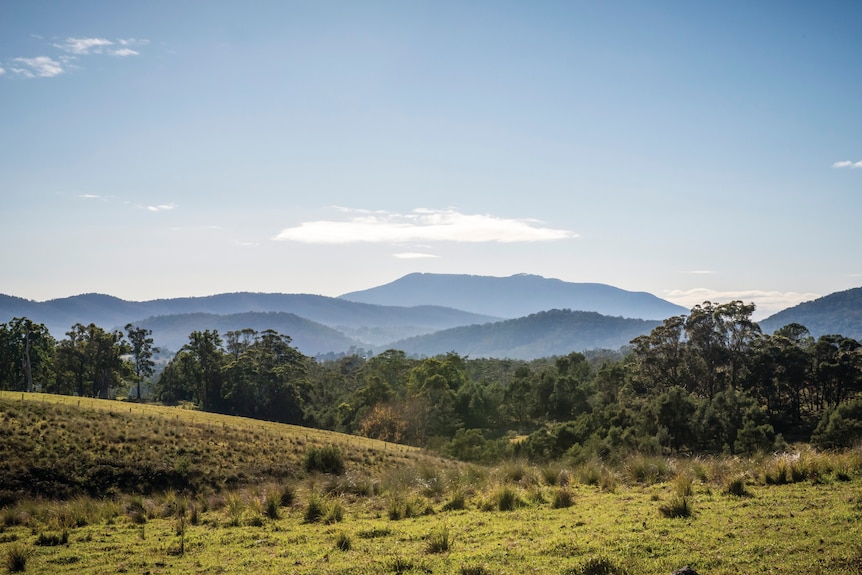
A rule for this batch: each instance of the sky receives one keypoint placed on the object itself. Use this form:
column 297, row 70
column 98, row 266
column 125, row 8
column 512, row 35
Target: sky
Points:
column 694, row 150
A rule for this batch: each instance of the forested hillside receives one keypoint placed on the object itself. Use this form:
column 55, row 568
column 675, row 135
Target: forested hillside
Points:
column 549, row 333
column 710, row 381
column 376, row 323
column 837, row 313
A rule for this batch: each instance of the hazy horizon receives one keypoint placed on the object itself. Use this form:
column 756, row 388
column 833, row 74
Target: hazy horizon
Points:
column 692, row 151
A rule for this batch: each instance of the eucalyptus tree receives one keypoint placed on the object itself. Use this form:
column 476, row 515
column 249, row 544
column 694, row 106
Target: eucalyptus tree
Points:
column 90, row 361
column 25, row 355
column 141, row 349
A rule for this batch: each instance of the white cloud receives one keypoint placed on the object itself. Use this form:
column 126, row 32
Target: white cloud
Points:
column 847, row 164
column 162, row 208
column 90, row 196
column 413, row 256
column 700, row 272
column 72, row 49
column 766, row 302
column 421, row 225
column 84, row 46
column 41, row 66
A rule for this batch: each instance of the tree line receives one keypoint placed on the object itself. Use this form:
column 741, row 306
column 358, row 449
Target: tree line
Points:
column 709, row 381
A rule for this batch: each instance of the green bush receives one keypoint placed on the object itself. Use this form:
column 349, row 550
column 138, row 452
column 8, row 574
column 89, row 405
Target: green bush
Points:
column 842, row 427
column 327, row 459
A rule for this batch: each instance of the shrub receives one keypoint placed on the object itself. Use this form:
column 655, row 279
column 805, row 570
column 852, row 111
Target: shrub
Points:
column 841, row 427
column 327, row 459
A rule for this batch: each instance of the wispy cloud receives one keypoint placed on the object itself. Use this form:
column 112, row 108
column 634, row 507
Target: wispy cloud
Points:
column 38, row 67
column 70, row 51
column 90, row 196
column 162, row 208
column 700, row 272
column 766, row 302
column 847, row 164
column 421, row 225
column 84, row 46
column 413, row 256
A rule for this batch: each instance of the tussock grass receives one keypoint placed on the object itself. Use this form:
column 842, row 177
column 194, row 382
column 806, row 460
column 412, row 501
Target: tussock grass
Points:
column 596, row 566
column 563, row 498
column 439, row 540
column 16, row 556
column 647, row 469
column 504, row 498
column 343, row 541
column 676, row 507
column 736, row 486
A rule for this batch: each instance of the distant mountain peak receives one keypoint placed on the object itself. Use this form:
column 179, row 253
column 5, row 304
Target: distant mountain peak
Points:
column 515, row 296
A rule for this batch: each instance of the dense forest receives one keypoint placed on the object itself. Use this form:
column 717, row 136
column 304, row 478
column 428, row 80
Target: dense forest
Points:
column 707, row 382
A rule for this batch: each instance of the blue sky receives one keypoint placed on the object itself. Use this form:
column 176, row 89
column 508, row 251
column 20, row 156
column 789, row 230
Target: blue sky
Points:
column 694, row 150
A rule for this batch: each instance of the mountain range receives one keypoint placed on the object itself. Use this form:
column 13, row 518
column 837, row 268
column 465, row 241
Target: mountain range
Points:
column 519, row 317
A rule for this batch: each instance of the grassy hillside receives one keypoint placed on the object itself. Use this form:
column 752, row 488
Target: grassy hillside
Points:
column 398, row 510
column 61, row 446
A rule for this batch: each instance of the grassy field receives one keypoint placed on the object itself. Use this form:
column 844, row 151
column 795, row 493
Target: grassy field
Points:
column 399, row 510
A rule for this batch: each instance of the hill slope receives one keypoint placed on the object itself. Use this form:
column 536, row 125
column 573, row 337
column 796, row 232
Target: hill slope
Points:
column 311, row 338
column 60, row 446
column 554, row 332
column 374, row 324
column 515, row 296
column 837, row 313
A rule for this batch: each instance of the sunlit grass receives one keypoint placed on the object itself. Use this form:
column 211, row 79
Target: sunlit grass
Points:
column 408, row 512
